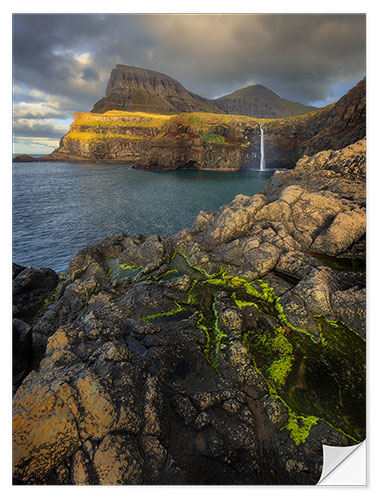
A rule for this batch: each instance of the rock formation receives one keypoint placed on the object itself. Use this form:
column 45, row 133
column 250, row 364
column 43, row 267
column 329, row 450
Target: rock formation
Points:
column 211, row 141
column 332, row 127
column 225, row 354
column 24, row 159
column 138, row 89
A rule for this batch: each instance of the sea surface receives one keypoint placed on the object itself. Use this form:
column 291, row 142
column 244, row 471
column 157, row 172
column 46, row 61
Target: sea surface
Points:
column 59, row 208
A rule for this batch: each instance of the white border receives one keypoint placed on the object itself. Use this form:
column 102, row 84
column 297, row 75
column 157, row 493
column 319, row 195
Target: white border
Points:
column 193, row 6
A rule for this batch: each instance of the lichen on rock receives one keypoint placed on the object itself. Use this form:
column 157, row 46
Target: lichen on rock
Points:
column 207, row 356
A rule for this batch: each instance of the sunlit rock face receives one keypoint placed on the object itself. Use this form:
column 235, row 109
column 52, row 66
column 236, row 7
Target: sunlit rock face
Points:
column 225, row 354
column 210, row 140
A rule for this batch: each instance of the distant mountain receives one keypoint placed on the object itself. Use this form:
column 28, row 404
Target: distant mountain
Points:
column 137, row 89
column 260, row 102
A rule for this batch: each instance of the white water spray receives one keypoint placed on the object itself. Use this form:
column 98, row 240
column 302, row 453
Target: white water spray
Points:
column 262, row 162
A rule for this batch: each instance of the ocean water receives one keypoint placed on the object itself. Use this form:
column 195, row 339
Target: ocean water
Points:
column 59, row 208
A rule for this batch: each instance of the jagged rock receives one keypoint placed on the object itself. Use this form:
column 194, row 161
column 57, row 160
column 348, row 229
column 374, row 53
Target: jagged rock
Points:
column 296, row 265
column 31, row 288
column 315, row 290
column 218, row 360
column 22, row 351
column 350, row 307
column 118, row 461
column 233, row 220
column 345, row 229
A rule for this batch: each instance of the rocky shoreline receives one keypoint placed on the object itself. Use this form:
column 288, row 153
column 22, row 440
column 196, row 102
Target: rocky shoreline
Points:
column 225, row 354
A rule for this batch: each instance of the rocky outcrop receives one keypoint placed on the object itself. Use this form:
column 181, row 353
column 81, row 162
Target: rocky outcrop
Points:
column 226, row 354
column 211, row 141
column 24, row 159
column 33, row 289
column 138, row 89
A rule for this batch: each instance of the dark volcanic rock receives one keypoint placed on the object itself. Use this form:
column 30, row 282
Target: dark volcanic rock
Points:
column 21, row 351
column 226, row 354
column 24, row 158
column 33, row 291
column 31, row 288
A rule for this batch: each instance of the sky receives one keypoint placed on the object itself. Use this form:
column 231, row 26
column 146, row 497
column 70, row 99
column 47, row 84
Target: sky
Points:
column 62, row 62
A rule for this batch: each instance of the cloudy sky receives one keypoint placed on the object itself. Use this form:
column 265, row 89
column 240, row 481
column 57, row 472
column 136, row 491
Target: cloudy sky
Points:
column 61, row 63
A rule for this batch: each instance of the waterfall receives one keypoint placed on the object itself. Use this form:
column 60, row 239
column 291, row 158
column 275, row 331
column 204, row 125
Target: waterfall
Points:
column 262, row 162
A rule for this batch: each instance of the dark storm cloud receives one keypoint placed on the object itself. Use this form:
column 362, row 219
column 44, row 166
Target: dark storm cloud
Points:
column 298, row 56
column 90, row 75
column 45, row 49
column 301, row 57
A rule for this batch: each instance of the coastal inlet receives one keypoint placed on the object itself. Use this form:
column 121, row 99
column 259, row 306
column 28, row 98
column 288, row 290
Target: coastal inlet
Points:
column 59, row 208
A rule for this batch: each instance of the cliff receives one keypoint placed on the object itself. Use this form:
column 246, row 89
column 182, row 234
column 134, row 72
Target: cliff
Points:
column 187, row 140
column 225, row 354
column 332, row 127
column 211, row 140
column 137, row 89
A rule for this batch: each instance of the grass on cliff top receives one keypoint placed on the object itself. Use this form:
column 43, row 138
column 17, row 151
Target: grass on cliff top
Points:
column 204, row 125
column 122, row 119
column 292, row 121
column 92, row 137
column 199, row 121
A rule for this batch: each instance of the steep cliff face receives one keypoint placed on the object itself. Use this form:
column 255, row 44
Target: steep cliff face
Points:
column 210, row 140
column 189, row 140
column 138, row 89
column 332, row 127
column 258, row 101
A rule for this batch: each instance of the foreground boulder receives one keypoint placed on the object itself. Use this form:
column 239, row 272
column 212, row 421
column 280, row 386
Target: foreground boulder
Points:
column 226, row 354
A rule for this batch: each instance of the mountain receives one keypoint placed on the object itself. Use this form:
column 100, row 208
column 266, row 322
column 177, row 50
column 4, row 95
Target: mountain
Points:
column 137, row 89
column 211, row 140
column 260, row 102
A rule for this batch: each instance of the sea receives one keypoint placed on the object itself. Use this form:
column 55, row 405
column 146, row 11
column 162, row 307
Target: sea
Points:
column 60, row 208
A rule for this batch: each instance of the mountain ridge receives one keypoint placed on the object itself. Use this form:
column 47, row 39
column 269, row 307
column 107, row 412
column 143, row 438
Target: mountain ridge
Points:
column 131, row 88
column 212, row 141
column 260, row 102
